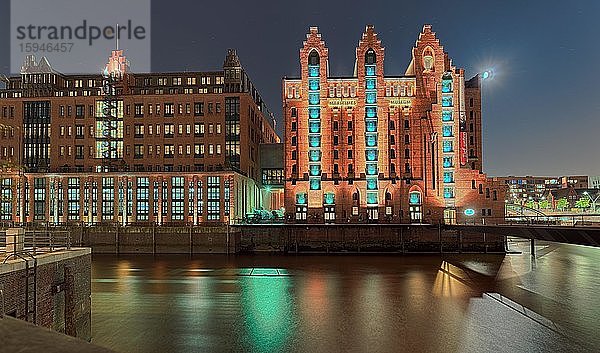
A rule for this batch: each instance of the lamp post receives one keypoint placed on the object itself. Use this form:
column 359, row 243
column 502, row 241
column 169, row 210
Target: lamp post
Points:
column 593, row 201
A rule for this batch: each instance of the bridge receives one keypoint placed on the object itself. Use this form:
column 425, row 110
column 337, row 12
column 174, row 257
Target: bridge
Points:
column 577, row 235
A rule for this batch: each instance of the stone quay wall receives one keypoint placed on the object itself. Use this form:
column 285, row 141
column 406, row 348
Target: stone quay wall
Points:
column 63, row 290
column 284, row 238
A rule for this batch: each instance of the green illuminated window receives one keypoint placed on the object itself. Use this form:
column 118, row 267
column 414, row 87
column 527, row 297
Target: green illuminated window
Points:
column 447, row 161
column 414, row 198
column 315, row 170
column 371, row 168
column 301, row 199
column 448, row 177
column 447, row 101
column 448, row 146
column 371, row 125
column 371, row 140
column 371, row 155
column 314, row 127
column 371, row 97
column 329, row 198
column 314, row 156
column 447, row 131
column 446, row 86
column 448, row 192
column 372, row 198
column 313, row 98
column 447, row 115
column 370, row 70
column 314, row 113
column 314, row 141
column 315, row 183
column 372, row 184
column 371, row 112
column 370, row 83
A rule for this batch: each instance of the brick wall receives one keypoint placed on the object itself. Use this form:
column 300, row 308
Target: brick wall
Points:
column 63, row 291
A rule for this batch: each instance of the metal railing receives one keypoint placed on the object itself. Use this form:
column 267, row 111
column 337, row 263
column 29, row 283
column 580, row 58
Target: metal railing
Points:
column 33, row 242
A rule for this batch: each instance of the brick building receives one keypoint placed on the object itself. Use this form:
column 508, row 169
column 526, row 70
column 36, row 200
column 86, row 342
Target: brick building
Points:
column 131, row 147
column 522, row 190
column 380, row 148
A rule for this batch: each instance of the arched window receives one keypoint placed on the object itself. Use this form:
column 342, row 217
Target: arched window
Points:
column 370, row 57
column 415, row 208
column 313, row 58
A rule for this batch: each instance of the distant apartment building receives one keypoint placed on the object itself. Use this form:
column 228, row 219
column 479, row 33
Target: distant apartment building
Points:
column 374, row 147
column 594, row 182
column 128, row 147
column 525, row 189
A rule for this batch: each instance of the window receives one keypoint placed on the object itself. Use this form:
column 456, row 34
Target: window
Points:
column 169, row 109
column 448, row 177
column 447, row 146
column 177, row 198
column 108, row 198
column 213, row 198
column 79, row 152
column 79, row 111
column 73, row 199
column 199, row 108
column 199, row 129
column 169, row 130
column 138, row 151
column 79, row 131
column 447, row 131
column 169, row 150
column 272, row 176
column 142, row 198
column 138, row 130
column 448, row 192
column 138, row 110
column 447, row 162
column 39, row 198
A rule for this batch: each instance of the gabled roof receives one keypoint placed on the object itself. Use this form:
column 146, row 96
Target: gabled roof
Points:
column 31, row 67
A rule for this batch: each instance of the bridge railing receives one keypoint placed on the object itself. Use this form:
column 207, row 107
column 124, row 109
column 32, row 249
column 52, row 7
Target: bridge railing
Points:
column 566, row 220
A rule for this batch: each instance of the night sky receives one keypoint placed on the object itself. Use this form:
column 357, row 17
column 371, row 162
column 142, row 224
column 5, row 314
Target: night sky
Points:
column 541, row 111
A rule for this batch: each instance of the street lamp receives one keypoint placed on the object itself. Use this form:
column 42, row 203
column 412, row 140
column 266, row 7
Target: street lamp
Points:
column 593, row 201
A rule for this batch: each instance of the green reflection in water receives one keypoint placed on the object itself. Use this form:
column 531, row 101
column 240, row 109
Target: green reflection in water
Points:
column 267, row 307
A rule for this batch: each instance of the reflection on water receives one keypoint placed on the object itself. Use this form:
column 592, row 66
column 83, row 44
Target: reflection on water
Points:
column 347, row 303
column 267, row 312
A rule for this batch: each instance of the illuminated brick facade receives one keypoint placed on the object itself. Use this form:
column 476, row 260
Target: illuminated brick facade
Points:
column 370, row 147
column 186, row 145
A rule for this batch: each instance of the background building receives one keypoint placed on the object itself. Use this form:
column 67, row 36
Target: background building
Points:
column 371, row 147
column 131, row 147
column 532, row 190
column 594, row 182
